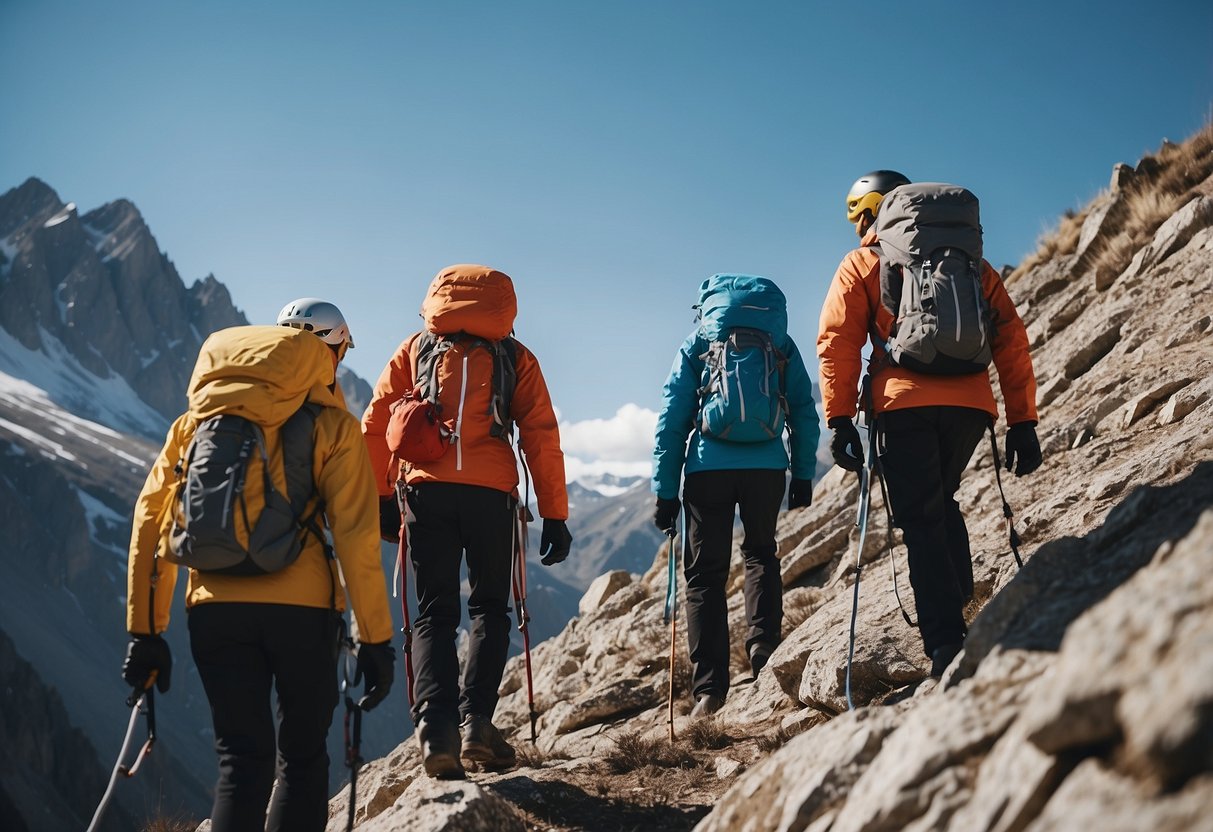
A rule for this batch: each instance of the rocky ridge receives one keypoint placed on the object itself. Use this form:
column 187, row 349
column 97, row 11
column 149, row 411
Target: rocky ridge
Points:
column 1085, row 693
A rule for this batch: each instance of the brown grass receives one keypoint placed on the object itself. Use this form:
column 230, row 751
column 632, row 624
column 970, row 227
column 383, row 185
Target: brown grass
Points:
column 1164, row 183
column 632, row 752
column 1056, row 242
column 705, row 734
column 769, row 743
column 531, row 757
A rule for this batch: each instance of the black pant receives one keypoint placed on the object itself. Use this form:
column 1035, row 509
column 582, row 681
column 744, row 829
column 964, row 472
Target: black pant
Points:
column 923, row 452
column 446, row 520
column 711, row 498
column 242, row 652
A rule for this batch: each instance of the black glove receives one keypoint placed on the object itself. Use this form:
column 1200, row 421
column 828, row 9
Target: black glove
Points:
column 376, row 663
column 145, row 656
column 1023, row 448
column 846, row 446
column 665, row 513
column 800, row 493
column 555, row 543
column 389, row 519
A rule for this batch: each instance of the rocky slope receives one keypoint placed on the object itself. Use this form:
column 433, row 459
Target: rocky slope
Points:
column 1084, row 696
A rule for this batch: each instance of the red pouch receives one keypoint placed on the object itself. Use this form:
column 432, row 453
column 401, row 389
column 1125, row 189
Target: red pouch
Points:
column 415, row 431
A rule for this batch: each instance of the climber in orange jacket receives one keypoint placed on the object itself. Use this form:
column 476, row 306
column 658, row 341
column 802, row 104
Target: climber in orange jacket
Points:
column 927, row 425
column 481, row 382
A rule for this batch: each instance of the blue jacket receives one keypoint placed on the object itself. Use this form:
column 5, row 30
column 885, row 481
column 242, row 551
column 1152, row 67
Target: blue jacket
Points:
column 680, row 404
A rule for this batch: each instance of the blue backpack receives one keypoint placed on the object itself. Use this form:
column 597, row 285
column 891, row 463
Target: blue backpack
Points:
column 744, row 319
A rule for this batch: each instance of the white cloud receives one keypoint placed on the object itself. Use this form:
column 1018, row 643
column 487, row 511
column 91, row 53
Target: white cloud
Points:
column 625, row 437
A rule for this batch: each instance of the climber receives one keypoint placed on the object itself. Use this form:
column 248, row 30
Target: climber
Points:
column 737, row 381
column 930, row 407
column 263, row 596
column 467, row 380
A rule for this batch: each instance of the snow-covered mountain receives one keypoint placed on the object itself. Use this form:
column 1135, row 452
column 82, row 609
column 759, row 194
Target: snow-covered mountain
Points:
column 98, row 336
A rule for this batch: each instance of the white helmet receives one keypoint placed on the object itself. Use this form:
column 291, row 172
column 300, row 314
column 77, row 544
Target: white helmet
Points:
column 319, row 317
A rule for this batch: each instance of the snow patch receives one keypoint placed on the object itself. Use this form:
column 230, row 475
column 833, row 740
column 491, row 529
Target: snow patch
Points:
column 33, row 379
column 63, row 306
column 47, row 447
column 9, row 249
column 146, row 360
column 102, row 519
column 62, row 216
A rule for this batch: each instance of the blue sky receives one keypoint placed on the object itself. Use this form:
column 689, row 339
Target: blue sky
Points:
column 609, row 156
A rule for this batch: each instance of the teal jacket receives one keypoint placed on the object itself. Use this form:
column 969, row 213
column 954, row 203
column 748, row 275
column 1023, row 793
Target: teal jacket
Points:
column 680, row 404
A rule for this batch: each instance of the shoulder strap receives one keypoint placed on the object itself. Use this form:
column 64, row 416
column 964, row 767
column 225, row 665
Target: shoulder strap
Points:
column 429, row 349
column 505, row 380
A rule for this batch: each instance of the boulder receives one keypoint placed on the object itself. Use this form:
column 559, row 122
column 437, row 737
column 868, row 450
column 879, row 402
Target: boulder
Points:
column 603, row 587
column 447, row 806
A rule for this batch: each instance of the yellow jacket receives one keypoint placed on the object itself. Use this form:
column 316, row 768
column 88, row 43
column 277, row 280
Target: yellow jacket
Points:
column 265, row 373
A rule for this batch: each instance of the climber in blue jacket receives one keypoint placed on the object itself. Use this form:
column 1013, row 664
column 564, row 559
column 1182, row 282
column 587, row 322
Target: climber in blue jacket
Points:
column 737, row 382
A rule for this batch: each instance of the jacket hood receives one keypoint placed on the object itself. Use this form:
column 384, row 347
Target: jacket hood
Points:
column 741, row 300
column 474, row 299
column 263, row 373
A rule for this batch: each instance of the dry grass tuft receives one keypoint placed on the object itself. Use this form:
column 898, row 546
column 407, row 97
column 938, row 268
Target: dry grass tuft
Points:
column 1164, row 183
column 1058, row 242
column 768, row 743
column 706, row 734
column 531, row 757
column 632, row 752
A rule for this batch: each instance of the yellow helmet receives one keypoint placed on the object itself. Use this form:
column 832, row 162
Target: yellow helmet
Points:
column 869, row 190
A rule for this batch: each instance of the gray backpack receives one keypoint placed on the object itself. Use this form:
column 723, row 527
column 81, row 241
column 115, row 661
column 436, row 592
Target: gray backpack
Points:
column 210, row 500
column 930, row 279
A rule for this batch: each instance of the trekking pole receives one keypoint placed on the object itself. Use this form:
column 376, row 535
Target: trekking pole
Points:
column 861, row 520
column 1007, row 514
column 353, row 737
column 671, row 612
column 888, row 511
column 402, row 566
column 518, row 584
column 136, row 702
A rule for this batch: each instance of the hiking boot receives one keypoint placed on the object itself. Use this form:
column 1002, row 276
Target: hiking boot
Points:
column 707, row 704
column 760, row 654
column 439, row 740
column 941, row 657
column 483, row 743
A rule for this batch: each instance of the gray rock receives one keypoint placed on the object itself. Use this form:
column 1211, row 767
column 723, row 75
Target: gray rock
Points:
column 1092, row 797
column 1101, row 223
column 806, row 780
column 447, row 806
column 1122, row 175
column 603, row 587
column 1150, row 685
column 1172, row 235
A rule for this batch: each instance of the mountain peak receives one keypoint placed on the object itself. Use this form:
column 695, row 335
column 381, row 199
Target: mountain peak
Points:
column 32, row 199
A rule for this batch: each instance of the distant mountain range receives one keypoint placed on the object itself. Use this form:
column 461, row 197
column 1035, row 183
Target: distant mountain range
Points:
column 98, row 337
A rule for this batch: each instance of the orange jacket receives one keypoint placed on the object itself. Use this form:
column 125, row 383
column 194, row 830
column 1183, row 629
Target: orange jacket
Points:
column 265, row 373
column 846, row 316
column 482, row 459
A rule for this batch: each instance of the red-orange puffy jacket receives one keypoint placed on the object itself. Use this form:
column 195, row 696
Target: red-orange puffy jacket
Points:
column 479, row 301
column 852, row 303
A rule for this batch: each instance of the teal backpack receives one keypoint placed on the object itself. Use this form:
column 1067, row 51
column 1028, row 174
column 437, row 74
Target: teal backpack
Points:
column 743, row 319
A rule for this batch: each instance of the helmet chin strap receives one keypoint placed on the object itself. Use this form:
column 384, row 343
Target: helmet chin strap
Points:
column 864, row 224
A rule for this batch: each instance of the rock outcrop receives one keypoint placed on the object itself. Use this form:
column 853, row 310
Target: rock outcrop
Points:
column 1084, row 697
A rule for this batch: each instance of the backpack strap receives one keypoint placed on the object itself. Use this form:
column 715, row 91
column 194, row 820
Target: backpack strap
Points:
column 429, row 350
column 298, row 438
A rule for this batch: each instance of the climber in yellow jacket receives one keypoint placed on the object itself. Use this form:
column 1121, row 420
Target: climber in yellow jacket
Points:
column 252, row 632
